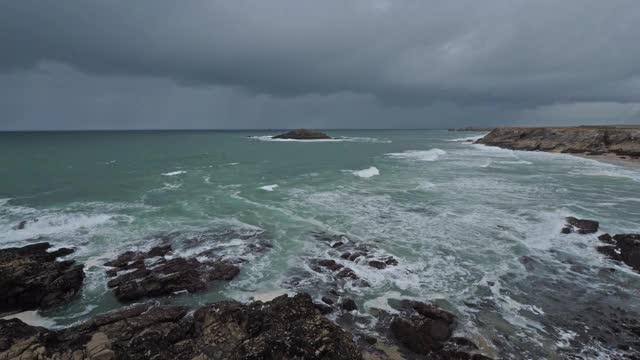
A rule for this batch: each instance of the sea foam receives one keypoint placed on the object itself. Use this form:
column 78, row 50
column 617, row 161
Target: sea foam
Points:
column 367, row 173
column 419, row 155
column 268, row 187
column 174, row 173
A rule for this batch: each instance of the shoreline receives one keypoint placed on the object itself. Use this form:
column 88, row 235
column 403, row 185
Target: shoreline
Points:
column 612, row 159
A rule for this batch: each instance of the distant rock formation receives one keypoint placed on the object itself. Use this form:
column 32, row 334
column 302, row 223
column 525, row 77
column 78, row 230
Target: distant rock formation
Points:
column 589, row 140
column 31, row 278
column 302, row 134
column 470, row 128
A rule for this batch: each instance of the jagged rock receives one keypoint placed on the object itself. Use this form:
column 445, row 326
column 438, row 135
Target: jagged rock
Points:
column 582, row 226
column 163, row 277
column 31, row 278
column 606, row 238
column 348, row 305
column 284, row 328
column 624, row 248
column 302, row 134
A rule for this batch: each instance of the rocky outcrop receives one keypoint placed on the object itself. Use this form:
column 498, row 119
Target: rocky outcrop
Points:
column 622, row 247
column 619, row 140
column 284, row 328
column 425, row 330
column 31, row 278
column 302, row 134
column 140, row 275
column 581, row 226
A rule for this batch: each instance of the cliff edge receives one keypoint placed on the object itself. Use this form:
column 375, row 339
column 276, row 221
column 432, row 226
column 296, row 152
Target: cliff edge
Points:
column 590, row 140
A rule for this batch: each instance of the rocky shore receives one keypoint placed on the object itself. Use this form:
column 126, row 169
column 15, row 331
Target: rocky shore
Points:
column 287, row 327
column 331, row 326
column 621, row 141
column 31, row 278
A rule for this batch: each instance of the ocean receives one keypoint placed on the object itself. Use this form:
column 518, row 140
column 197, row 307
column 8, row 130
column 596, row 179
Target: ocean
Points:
column 474, row 229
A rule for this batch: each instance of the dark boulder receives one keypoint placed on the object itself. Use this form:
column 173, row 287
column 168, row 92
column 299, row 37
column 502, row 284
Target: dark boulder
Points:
column 422, row 328
column 582, row 226
column 622, row 247
column 348, row 305
column 21, row 225
column 284, row 328
column 31, row 278
column 302, row 134
column 377, row 264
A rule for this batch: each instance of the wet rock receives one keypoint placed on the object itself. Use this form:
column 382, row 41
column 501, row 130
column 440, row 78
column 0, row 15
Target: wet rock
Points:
column 425, row 329
column 21, row 225
column 377, row 264
column 327, row 300
column 163, row 277
column 284, row 328
column 347, row 273
column 302, row 134
column 624, row 248
column 349, row 305
column 582, row 226
column 31, row 278
column 330, row 264
column 606, row 238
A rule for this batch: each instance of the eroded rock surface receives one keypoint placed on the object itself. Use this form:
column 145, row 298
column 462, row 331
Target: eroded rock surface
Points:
column 284, row 328
column 140, row 275
column 619, row 140
column 31, row 278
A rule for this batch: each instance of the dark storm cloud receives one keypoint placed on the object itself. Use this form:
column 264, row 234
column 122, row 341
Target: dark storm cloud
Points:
column 510, row 51
column 332, row 63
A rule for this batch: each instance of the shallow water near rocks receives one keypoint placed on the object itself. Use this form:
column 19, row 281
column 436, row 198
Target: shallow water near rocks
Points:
column 475, row 229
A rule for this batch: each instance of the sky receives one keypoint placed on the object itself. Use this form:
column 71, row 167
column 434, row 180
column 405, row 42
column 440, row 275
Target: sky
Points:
column 251, row 64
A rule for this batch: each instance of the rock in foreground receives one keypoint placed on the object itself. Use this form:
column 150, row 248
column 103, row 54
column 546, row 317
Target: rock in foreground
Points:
column 284, row 328
column 302, row 134
column 591, row 140
column 581, row 226
column 624, row 248
column 31, row 278
column 149, row 274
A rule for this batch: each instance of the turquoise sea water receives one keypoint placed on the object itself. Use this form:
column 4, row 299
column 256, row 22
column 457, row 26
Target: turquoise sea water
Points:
column 474, row 228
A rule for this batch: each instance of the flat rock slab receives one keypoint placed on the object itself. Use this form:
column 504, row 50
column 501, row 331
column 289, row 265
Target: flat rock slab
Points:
column 31, row 278
column 138, row 275
column 284, row 328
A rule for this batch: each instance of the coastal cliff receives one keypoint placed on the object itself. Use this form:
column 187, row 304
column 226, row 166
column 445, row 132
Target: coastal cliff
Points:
column 596, row 140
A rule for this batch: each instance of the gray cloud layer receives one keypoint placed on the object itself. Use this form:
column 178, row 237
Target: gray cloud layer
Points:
column 359, row 63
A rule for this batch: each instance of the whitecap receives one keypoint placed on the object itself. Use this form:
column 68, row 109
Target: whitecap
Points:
column 367, row 173
column 52, row 224
column 268, row 187
column 419, row 155
column 468, row 139
column 174, row 173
